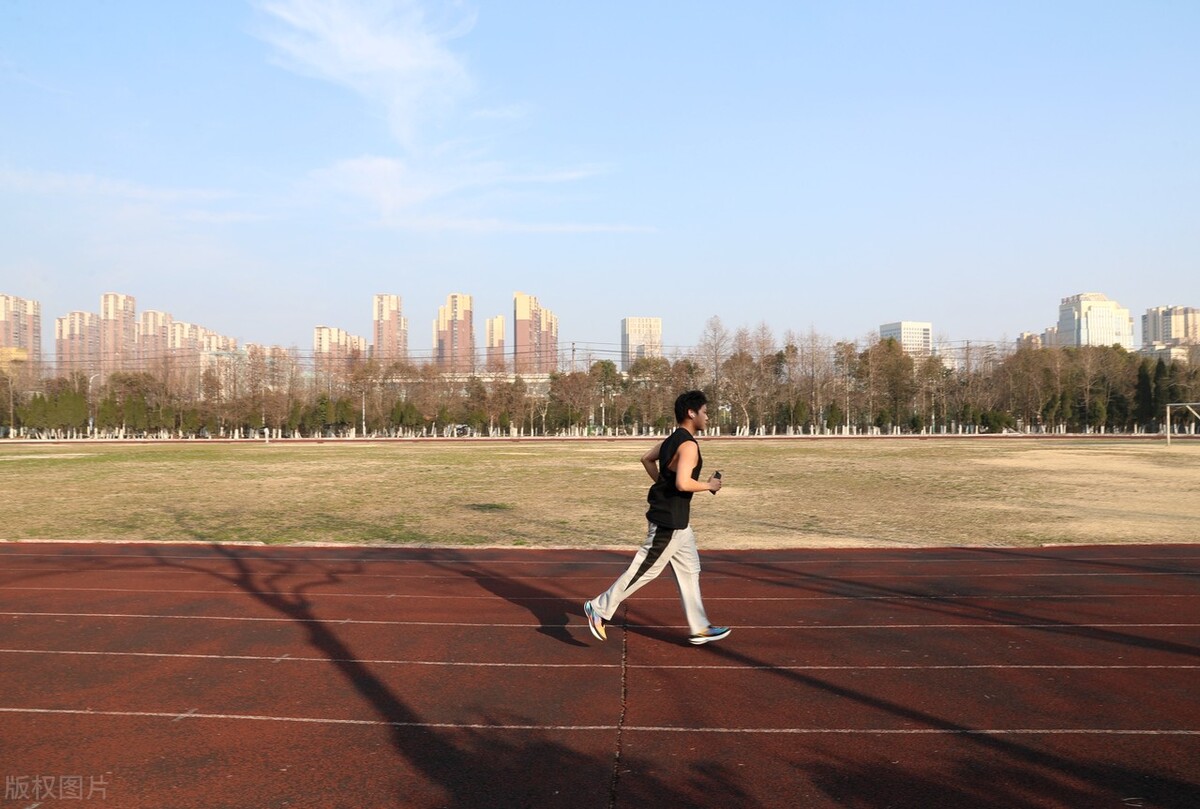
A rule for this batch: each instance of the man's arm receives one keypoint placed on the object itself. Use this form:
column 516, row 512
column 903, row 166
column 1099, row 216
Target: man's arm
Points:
column 650, row 461
column 686, row 459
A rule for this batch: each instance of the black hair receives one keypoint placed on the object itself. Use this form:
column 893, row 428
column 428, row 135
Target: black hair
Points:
column 692, row 400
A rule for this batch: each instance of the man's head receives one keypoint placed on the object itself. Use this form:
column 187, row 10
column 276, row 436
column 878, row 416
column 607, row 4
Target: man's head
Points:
column 692, row 405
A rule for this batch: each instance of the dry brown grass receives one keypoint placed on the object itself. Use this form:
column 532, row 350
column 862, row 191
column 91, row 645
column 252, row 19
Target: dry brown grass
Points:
column 779, row 493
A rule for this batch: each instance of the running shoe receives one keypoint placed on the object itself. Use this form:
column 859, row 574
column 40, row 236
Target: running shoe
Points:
column 595, row 622
column 709, row 635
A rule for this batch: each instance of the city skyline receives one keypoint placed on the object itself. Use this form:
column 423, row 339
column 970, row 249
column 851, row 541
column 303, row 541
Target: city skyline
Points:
column 805, row 166
column 121, row 336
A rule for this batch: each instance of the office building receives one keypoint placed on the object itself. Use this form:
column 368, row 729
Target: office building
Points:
column 454, row 335
column 915, row 337
column 390, row 330
column 1091, row 319
column 640, row 337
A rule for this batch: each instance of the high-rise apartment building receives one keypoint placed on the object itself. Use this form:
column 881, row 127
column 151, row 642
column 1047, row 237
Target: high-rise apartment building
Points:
column 77, row 343
column 390, row 330
column 118, row 332
column 331, row 341
column 535, row 336
column 334, row 348
column 21, row 327
column 915, row 337
column 495, row 343
column 153, row 339
column 1171, row 326
column 640, row 337
column 187, row 338
column 1091, row 319
column 454, row 335
column 548, row 343
column 119, row 340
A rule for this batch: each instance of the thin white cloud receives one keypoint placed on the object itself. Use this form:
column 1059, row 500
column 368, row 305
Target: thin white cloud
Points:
column 404, row 194
column 387, row 52
column 512, row 112
column 117, row 199
column 395, row 56
column 93, row 186
column 465, row 225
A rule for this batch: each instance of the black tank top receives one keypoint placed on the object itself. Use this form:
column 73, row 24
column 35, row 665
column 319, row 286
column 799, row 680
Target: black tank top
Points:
column 670, row 507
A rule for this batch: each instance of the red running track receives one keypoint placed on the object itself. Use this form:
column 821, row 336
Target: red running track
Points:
column 215, row 676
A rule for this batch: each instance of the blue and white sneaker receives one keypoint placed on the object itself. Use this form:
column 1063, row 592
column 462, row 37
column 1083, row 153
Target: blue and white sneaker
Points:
column 595, row 622
column 709, row 635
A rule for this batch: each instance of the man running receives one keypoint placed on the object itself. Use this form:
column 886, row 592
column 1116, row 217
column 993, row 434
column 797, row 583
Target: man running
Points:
column 674, row 466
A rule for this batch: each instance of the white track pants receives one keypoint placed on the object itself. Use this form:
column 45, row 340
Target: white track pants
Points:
column 674, row 545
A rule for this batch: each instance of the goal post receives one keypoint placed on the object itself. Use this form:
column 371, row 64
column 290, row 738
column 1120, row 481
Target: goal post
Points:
column 1191, row 407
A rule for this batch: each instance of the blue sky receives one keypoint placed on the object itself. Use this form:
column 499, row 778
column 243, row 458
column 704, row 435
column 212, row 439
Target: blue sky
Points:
column 263, row 167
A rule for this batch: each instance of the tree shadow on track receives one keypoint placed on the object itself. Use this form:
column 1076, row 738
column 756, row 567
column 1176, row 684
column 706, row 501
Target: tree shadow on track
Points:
column 469, row 765
column 551, row 611
column 1062, row 555
column 994, row 772
column 954, row 606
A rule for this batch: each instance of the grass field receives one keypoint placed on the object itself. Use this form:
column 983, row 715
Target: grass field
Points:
column 778, row 493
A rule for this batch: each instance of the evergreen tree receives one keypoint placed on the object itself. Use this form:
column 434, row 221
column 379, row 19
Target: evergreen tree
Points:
column 1143, row 396
column 1162, row 389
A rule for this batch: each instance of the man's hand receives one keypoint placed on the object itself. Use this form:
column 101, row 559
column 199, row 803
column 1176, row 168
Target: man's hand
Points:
column 714, row 482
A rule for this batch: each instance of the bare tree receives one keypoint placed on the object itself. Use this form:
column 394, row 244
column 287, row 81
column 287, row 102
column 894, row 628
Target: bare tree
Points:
column 742, row 378
column 711, row 352
column 767, row 386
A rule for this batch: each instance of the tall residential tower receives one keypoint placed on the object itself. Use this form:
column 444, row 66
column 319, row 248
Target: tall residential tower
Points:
column 390, row 330
column 454, row 335
column 21, row 328
column 535, row 336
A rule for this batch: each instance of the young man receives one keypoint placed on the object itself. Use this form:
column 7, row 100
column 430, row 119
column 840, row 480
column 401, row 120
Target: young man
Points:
column 674, row 466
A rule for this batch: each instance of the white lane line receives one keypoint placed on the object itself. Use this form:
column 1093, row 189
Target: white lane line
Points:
column 292, row 659
column 303, row 719
column 649, row 666
column 931, row 731
column 174, row 715
column 258, row 555
column 845, row 580
column 982, row 624
column 572, row 598
column 330, row 621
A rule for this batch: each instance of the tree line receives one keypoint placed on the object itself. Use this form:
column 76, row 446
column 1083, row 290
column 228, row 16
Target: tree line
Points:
column 804, row 384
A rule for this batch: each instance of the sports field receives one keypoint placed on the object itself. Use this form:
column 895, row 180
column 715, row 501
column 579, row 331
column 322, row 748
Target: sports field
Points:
column 230, row 677
column 211, row 675
column 778, row 493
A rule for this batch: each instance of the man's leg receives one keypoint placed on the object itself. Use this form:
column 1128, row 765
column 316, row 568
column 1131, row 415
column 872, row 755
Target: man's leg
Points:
column 647, row 563
column 685, row 563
